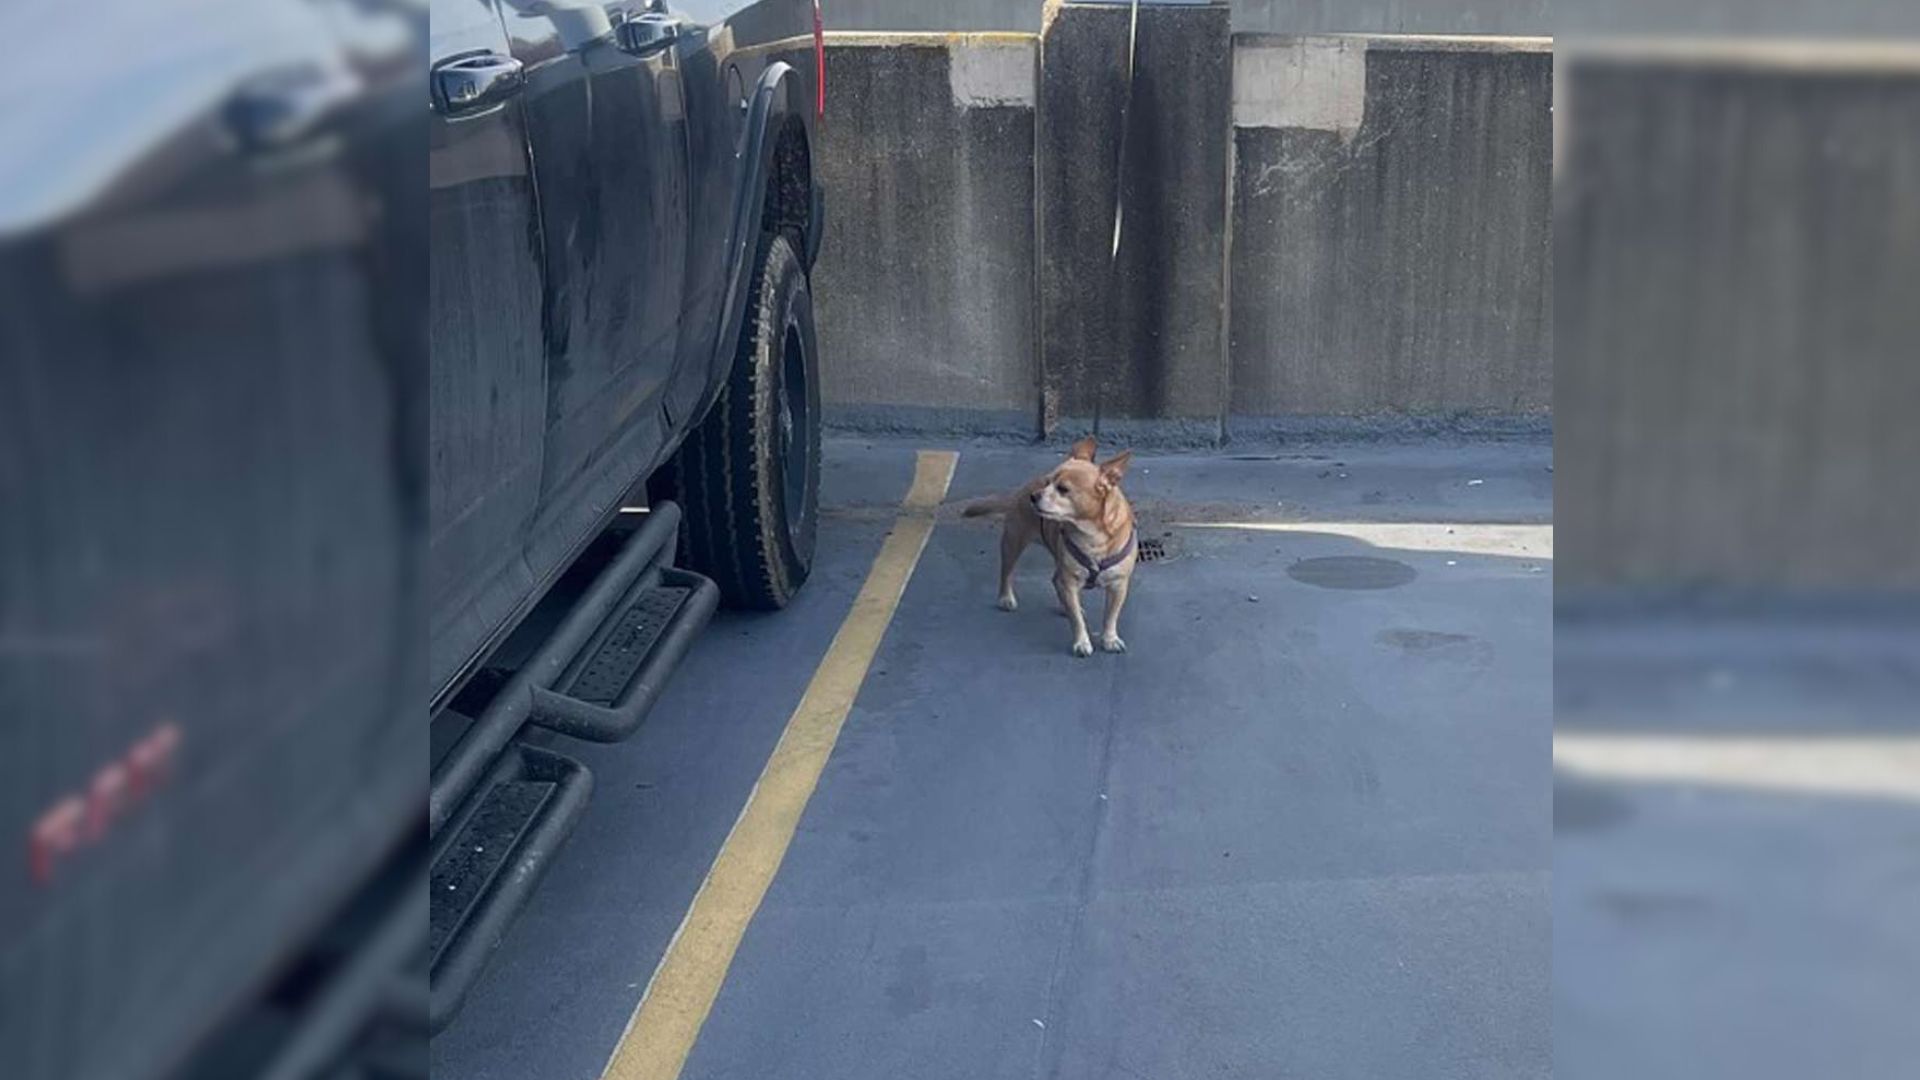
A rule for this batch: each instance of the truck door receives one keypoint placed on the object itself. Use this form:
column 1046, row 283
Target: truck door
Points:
column 488, row 382
column 608, row 133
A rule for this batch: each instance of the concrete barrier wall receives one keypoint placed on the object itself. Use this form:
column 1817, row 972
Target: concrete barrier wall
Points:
column 1392, row 226
column 925, row 288
column 1737, row 243
column 1281, row 16
column 945, row 16
column 1136, row 335
column 1391, row 269
column 1506, row 17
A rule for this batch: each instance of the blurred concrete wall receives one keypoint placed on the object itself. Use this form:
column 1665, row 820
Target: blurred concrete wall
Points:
column 1738, row 274
column 1310, row 241
column 1832, row 20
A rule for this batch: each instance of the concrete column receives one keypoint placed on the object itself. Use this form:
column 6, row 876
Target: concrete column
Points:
column 1141, row 337
column 1392, row 235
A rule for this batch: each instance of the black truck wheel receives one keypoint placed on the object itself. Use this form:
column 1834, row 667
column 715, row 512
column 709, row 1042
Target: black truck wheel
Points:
column 748, row 478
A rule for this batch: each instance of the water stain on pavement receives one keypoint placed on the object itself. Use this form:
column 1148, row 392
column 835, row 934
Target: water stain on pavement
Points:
column 1649, row 907
column 1352, row 572
column 1580, row 806
column 1436, row 645
column 1420, row 640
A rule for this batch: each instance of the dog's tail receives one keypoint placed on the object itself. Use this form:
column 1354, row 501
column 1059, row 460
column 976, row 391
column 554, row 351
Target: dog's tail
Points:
column 999, row 504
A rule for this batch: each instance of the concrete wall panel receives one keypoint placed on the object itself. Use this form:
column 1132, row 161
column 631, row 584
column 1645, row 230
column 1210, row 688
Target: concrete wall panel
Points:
column 1393, row 16
column 933, row 15
column 925, row 287
column 1392, row 226
column 1140, row 337
column 1388, row 235
column 1332, row 16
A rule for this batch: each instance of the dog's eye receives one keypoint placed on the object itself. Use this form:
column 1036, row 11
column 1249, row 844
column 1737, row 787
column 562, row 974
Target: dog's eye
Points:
column 1061, row 488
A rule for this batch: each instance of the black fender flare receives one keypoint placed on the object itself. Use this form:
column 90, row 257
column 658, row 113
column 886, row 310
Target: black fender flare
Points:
column 775, row 99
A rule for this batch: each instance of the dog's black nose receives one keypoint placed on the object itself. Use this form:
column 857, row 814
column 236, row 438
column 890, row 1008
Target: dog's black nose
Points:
column 1034, row 498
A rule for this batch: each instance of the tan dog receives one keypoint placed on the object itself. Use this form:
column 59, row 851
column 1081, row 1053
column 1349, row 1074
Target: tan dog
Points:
column 1078, row 512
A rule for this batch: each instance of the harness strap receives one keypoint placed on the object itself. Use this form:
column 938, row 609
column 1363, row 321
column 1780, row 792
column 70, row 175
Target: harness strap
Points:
column 1095, row 569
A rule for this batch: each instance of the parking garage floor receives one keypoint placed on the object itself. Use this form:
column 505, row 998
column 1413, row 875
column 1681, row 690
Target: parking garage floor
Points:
column 1300, row 828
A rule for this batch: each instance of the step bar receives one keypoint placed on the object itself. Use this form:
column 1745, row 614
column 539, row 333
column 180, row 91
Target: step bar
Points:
column 499, row 807
column 608, row 689
column 650, row 548
column 485, row 868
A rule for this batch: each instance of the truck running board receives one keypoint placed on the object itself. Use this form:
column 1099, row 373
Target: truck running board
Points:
column 486, row 868
column 498, row 807
column 608, row 688
column 603, row 647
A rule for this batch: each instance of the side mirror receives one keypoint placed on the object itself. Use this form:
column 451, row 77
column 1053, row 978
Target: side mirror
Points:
column 644, row 35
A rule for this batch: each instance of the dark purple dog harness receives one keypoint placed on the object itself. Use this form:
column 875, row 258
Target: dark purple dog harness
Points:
column 1095, row 569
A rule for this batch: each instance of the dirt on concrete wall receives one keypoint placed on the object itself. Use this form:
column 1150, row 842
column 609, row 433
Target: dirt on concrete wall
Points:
column 1352, row 229
column 1392, row 226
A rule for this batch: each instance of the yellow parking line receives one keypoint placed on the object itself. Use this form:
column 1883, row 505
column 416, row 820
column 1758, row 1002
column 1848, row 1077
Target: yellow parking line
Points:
column 664, row 1026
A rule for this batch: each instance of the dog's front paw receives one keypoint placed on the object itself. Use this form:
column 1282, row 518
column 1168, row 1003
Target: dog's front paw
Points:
column 1112, row 643
column 1083, row 647
column 1008, row 603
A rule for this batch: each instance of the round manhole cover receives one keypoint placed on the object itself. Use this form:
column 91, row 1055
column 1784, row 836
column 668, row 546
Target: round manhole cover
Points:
column 1351, row 572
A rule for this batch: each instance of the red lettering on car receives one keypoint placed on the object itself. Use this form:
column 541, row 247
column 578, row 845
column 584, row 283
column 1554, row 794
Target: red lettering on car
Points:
column 85, row 817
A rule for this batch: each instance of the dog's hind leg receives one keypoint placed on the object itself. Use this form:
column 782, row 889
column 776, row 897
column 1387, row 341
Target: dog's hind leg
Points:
column 1013, row 541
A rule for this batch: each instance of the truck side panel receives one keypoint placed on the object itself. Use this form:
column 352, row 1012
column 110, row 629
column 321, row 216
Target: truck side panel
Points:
column 725, row 67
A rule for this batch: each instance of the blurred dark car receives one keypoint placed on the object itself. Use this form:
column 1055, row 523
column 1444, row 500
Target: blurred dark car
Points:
column 296, row 419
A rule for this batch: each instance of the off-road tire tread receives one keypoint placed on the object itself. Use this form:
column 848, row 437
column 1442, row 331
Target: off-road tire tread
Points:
column 726, row 474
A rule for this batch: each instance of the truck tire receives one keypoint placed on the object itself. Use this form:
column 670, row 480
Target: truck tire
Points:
column 748, row 478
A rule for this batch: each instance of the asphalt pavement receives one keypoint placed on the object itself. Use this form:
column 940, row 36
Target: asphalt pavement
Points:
column 1737, row 845
column 1299, row 829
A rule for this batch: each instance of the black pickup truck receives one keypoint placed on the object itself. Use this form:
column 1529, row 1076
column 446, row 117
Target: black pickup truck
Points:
column 355, row 351
column 624, row 215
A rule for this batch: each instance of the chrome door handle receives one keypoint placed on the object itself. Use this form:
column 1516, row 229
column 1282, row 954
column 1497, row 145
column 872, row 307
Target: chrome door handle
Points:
column 281, row 107
column 475, row 82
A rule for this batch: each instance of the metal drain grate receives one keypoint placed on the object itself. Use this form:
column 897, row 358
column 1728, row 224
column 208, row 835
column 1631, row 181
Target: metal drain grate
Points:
column 1153, row 550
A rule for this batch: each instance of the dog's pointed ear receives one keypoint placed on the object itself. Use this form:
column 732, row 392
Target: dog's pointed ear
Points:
column 1115, row 467
column 1082, row 449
